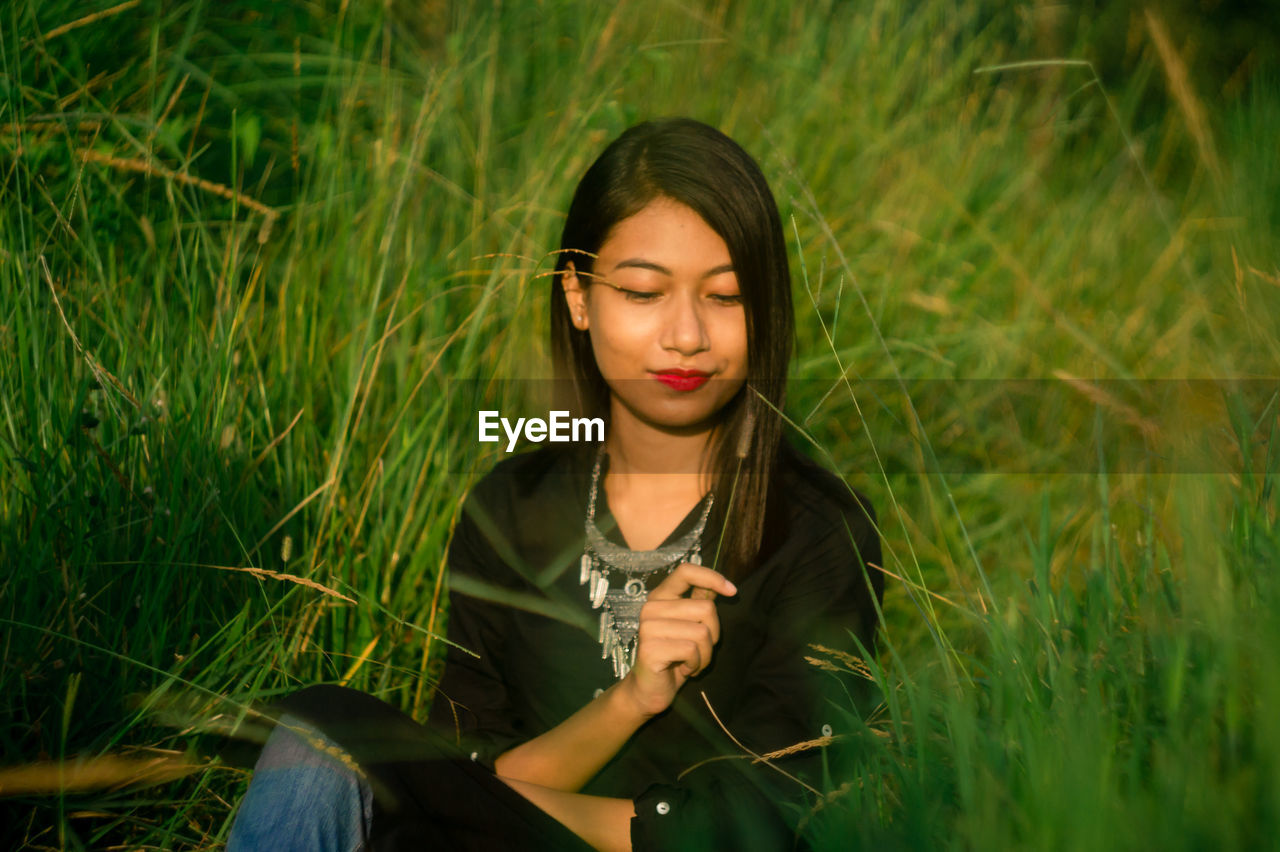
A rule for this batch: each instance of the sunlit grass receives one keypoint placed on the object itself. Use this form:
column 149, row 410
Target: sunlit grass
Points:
column 245, row 251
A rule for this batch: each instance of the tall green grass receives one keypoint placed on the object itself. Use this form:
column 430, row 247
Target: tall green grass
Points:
column 1072, row 658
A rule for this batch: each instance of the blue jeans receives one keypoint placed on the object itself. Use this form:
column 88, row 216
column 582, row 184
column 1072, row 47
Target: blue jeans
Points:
column 304, row 796
column 346, row 771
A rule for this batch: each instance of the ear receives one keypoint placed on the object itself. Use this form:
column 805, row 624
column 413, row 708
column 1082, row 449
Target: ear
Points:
column 575, row 295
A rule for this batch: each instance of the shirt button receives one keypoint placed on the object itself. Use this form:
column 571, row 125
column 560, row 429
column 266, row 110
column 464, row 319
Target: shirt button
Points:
column 663, row 808
column 475, row 755
column 826, row 730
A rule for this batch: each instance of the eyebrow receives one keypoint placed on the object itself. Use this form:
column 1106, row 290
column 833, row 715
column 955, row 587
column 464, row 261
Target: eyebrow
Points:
column 641, row 263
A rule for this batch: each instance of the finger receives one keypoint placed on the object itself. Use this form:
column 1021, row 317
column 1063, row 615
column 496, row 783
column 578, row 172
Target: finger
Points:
column 688, row 576
column 658, row 632
column 663, row 654
column 684, row 609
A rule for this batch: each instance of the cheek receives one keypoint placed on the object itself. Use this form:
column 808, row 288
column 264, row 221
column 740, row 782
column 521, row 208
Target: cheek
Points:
column 600, row 351
column 620, row 333
column 612, row 351
column 733, row 337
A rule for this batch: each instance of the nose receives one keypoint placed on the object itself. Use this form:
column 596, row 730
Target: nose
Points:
column 685, row 329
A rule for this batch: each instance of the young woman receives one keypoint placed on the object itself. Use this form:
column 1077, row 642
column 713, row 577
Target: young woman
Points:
column 668, row 581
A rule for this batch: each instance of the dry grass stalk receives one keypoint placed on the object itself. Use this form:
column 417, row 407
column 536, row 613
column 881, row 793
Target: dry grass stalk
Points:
column 32, row 126
column 173, row 100
column 302, row 639
column 275, row 442
column 94, row 773
column 89, row 19
column 157, row 170
column 288, row 578
column 97, row 81
column 825, row 665
column 1270, row 279
column 793, row 749
column 853, row 663
column 842, row 790
column 1180, row 87
column 920, row 588
column 360, row 661
column 1098, row 396
column 305, row 500
column 99, row 372
column 759, row 758
column 441, row 576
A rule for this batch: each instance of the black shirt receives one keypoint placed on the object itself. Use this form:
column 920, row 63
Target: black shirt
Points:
column 517, row 603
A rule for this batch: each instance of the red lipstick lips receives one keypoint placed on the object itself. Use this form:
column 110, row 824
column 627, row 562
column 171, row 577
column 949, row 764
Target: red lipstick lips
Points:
column 683, row 380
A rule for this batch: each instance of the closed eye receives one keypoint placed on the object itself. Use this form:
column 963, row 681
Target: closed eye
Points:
column 641, row 296
column 727, row 298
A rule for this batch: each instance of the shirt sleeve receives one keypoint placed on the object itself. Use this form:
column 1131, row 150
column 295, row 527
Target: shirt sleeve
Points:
column 731, row 804
column 828, row 599
column 471, row 707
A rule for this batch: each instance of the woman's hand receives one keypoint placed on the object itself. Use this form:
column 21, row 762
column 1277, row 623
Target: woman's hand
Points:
column 678, row 630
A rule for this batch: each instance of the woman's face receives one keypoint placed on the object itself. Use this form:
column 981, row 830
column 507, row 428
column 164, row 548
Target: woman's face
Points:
column 666, row 319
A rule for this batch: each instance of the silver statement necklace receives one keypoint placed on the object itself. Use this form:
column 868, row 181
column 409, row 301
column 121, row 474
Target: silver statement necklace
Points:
column 605, row 563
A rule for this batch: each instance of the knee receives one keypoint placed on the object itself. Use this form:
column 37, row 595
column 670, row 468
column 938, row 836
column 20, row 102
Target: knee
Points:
column 302, row 797
column 295, row 743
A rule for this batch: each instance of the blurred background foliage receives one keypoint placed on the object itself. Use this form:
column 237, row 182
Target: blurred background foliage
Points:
column 249, row 249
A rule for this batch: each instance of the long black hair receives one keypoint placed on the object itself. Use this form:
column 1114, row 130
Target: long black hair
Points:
column 693, row 163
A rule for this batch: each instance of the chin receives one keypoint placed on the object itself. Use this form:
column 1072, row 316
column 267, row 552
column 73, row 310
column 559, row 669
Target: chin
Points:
column 679, row 416
column 675, row 412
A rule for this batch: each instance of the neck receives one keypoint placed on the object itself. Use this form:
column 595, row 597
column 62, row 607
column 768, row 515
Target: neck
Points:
column 640, row 450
